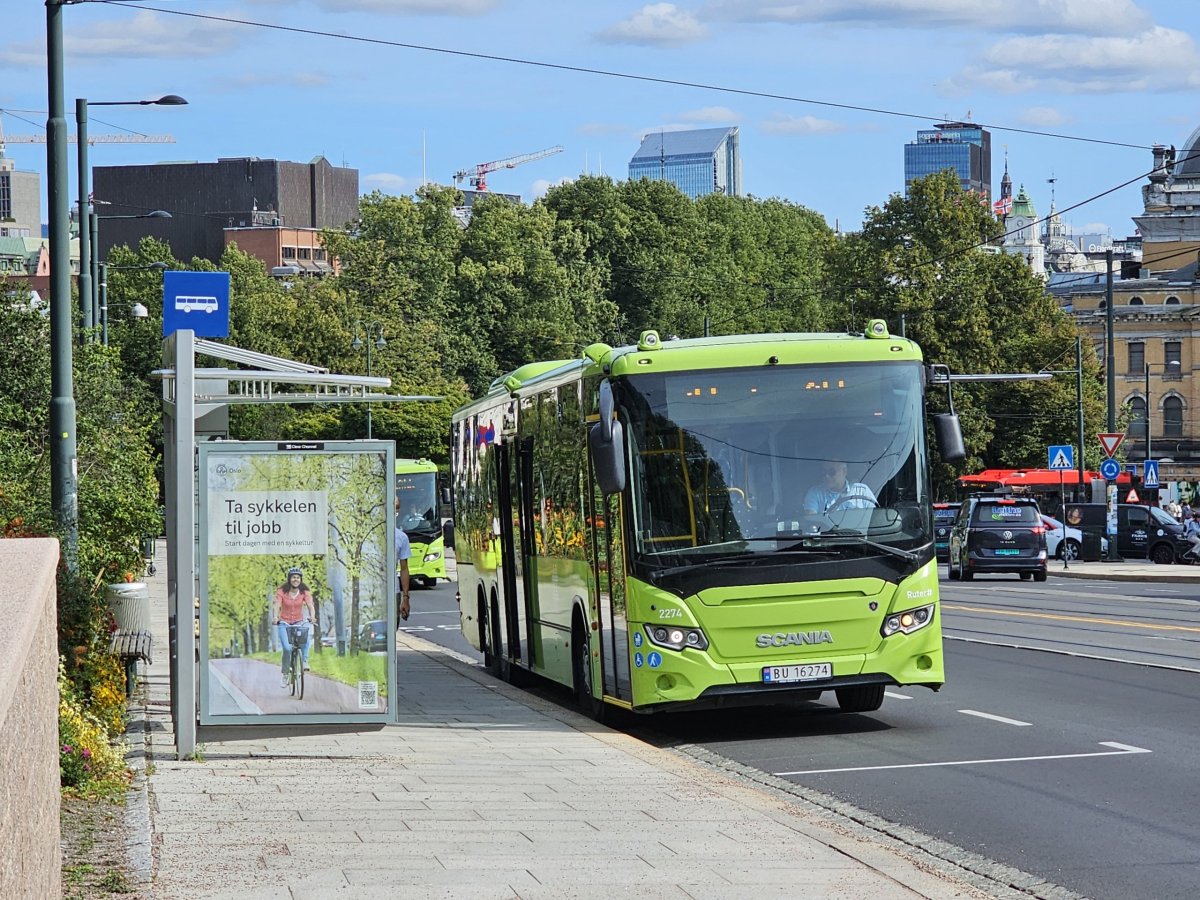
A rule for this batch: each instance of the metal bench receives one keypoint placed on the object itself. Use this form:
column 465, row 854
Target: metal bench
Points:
column 131, row 646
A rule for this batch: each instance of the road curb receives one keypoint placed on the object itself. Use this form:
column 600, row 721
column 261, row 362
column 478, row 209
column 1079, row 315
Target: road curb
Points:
column 1115, row 575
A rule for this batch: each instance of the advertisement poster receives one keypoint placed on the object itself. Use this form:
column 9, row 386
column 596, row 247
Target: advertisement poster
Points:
column 297, row 582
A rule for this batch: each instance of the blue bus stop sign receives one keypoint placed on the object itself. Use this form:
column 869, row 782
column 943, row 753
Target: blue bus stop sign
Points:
column 198, row 301
column 1110, row 469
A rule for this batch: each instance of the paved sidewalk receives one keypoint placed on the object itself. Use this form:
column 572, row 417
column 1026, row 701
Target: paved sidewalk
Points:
column 1127, row 570
column 487, row 791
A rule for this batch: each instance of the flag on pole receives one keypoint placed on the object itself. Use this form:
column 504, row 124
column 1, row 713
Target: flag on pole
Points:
column 1003, row 206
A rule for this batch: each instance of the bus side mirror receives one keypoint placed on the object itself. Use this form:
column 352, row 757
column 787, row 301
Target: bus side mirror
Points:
column 949, row 436
column 446, row 495
column 608, row 456
column 607, row 442
column 448, row 534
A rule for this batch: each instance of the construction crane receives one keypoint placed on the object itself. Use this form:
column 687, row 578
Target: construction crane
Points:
column 477, row 175
column 92, row 138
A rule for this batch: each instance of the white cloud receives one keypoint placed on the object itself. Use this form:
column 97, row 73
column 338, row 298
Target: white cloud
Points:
column 658, row 24
column 782, row 123
column 411, row 7
column 1159, row 59
column 718, row 114
column 541, row 186
column 147, row 35
column 391, row 183
column 18, row 56
column 1031, row 16
column 1043, row 117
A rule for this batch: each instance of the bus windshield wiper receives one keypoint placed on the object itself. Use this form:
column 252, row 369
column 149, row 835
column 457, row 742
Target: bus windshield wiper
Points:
column 843, row 537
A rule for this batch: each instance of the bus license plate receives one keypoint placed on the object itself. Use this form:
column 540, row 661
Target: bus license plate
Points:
column 790, row 674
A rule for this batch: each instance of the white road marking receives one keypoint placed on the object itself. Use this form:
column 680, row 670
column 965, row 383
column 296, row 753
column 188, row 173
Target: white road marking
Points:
column 896, row 696
column 983, row 715
column 1121, row 750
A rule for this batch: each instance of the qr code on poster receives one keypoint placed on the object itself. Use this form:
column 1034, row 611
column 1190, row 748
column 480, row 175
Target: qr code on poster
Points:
column 368, row 694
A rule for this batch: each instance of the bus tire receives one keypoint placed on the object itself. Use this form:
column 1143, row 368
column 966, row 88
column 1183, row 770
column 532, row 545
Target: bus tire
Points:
column 861, row 698
column 499, row 665
column 581, row 670
column 485, row 639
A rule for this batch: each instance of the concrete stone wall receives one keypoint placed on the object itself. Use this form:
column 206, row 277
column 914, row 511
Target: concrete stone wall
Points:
column 30, row 852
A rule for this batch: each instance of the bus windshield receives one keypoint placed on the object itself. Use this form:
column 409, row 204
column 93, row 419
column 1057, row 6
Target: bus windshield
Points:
column 417, row 493
column 827, row 459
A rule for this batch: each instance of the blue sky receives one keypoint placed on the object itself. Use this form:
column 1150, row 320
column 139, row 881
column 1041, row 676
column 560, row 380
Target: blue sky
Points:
column 1124, row 71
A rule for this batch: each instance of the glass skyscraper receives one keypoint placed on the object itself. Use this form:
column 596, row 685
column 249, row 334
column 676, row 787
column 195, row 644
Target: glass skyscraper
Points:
column 704, row 161
column 961, row 146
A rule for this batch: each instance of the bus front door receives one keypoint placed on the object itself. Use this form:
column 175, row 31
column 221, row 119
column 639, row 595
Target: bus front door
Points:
column 510, row 553
column 527, row 566
column 608, row 559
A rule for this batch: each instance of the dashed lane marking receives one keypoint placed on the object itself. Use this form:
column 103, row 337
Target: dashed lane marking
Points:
column 1118, row 750
column 983, row 715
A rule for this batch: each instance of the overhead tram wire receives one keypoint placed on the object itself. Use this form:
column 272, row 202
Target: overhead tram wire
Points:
column 674, row 83
column 606, row 73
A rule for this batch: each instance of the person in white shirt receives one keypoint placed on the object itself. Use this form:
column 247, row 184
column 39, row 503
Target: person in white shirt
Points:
column 836, row 492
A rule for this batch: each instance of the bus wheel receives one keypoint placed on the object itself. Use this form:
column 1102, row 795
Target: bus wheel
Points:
column 864, row 698
column 498, row 665
column 485, row 638
column 581, row 671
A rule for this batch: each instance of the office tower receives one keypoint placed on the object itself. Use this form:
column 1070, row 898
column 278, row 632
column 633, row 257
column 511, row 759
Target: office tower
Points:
column 704, row 161
column 961, row 146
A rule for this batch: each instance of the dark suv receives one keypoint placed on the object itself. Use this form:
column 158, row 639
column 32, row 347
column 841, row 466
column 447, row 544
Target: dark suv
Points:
column 998, row 533
column 943, row 521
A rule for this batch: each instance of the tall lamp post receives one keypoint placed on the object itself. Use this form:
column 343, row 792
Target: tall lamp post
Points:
column 95, row 226
column 63, row 498
column 88, row 290
column 137, row 311
column 364, row 332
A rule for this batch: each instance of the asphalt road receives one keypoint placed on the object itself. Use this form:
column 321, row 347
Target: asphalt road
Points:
column 1064, row 743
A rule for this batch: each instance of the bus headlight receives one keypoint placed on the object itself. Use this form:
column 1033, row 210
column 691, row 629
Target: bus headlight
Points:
column 431, row 557
column 676, row 637
column 908, row 621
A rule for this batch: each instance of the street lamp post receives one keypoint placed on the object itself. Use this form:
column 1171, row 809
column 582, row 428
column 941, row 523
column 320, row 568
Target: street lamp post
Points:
column 368, row 330
column 63, row 498
column 97, row 300
column 138, row 311
column 88, row 288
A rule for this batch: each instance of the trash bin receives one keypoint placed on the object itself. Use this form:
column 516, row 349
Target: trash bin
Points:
column 1092, row 544
column 130, row 605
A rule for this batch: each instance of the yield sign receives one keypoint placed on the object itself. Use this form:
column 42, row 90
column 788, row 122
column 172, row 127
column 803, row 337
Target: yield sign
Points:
column 1110, row 442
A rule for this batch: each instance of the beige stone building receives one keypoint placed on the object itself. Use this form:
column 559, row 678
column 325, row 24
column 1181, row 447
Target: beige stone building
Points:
column 1156, row 326
column 1156, row 316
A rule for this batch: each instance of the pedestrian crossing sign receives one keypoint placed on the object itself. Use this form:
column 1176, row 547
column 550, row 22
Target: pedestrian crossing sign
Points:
column 1061, row 457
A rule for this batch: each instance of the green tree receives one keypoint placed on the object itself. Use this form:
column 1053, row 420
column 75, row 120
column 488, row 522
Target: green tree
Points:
column 920, row 262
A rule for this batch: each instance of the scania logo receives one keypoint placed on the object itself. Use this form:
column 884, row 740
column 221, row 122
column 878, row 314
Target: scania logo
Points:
column 782, row 639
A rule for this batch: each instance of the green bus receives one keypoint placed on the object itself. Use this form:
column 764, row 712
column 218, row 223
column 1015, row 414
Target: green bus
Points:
column 417, row 493
column 633, row 524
